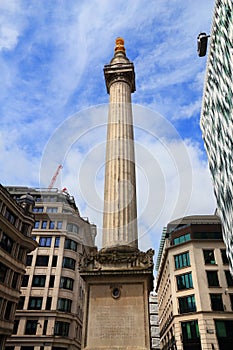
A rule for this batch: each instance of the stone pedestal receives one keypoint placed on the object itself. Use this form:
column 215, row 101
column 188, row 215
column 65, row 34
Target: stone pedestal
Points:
column 116, row 310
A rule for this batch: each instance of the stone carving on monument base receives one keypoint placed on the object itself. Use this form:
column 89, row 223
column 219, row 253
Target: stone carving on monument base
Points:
column 111, row 258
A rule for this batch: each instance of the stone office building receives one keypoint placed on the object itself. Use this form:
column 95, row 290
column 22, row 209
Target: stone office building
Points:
column 194, row 286
column 50, row 311
column 16, row 223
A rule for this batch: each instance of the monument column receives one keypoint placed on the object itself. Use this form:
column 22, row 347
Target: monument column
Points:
column 120, row 208
column 119, row 277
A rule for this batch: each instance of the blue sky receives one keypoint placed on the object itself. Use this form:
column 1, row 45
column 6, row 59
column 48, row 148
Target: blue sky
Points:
column 53, row 101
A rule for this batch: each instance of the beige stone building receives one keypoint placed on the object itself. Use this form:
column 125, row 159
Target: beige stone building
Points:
column 194, row 286
column 50, row 311
column 16, row 223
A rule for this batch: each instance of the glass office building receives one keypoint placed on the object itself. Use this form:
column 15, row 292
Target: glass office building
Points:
column 217, row 118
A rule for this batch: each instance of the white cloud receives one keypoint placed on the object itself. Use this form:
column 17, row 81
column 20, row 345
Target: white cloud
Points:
column 11, row 24
column 52, row 55
column 188, row 111
column 201, row 199
column 8, row 37
column 18, row 168
column 171, row 173
column 172, row 178
column 159, row 187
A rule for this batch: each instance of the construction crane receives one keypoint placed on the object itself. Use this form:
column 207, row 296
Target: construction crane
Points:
column 54, row 178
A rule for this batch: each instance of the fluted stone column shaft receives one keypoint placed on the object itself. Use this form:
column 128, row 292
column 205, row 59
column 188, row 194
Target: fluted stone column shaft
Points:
column 120, row 208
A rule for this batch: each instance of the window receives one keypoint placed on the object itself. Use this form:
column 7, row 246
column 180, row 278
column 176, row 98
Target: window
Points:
column 182, row 239
column 10, row 216
column 224, row 257
column 70, row 244
column 38, row 210
column 72, row 228
column 35, row 303
column 184, row 281
column 187, row 304
column 231, row 299
column 68, row 263
column 64, row 304
column 37, row 198
column 59, row 225
column 190, row 330
column 216, row 302
column 51, row 281
column 29, row 260
column 20, row 303
column 37, row 224
column 45, row 327
column 44, row 224
column 21, row 254
column 182, row 260
column 51, row 225
column 45, row 241
column 25, row 281
column 15, row 278
column 48, row 303
column 224, row 333
column 51, row 210
column 54, row 261
column 27, row 347
column 209, row 235
column 209, row 256
column 42, row 260
column 229, row 278
column 66, row 283
column 65, row 210
column 8, row 311
column 212, row 278
column 31, row 326
column 16, row 326
column 52, row 198
column 57, row 242
column 25, row 229
column 38, row 281
column 6, row 243
column 61, row 328
column 3, row 272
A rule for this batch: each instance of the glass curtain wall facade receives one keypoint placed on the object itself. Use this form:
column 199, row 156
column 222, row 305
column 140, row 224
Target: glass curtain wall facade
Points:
column 216, row 117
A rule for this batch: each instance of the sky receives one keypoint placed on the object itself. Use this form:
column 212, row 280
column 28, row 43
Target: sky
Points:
column 54, row 103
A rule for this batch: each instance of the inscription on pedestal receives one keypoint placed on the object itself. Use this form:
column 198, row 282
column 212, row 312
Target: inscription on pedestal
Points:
column 120, row 326
column 116, row 322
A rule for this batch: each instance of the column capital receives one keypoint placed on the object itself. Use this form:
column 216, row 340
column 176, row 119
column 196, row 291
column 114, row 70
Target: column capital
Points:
column 120, row 68
column 115, row 73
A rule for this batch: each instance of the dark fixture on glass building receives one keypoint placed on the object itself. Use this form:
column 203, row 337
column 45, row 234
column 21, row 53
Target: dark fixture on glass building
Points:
column 202, row 41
